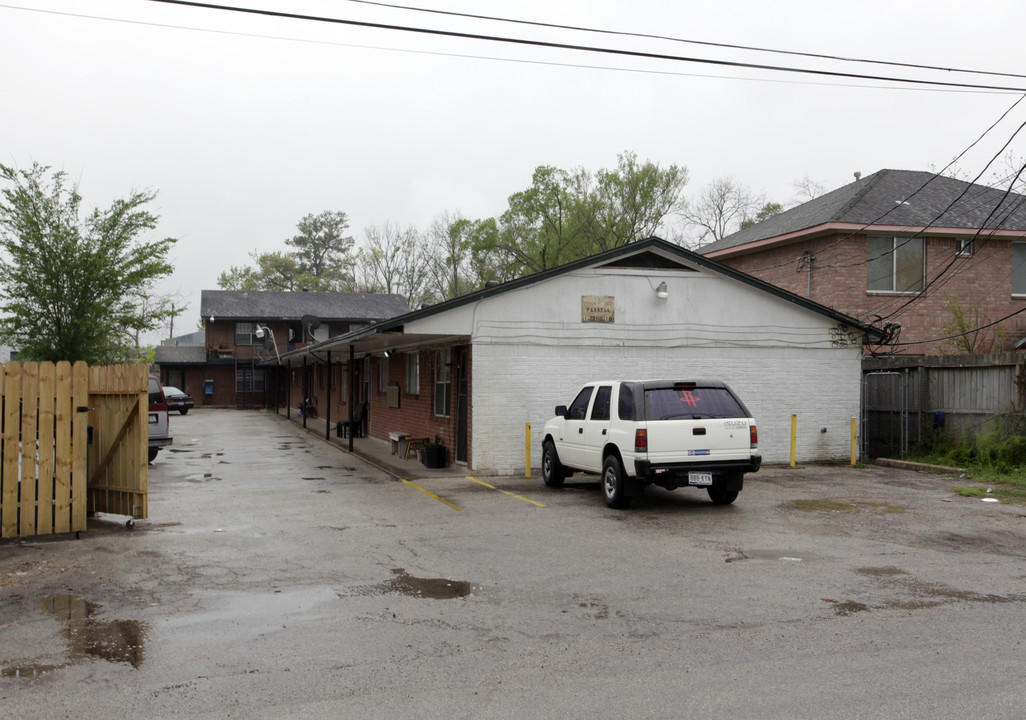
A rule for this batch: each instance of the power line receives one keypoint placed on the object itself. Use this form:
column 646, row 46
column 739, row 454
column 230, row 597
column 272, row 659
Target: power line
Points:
column 706, row 43
column 521, row 61
column 578, row 48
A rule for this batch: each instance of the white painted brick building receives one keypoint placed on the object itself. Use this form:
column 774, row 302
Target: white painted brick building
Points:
column 643, row 311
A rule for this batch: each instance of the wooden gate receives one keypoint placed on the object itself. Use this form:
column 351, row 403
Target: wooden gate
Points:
column 51, row 472
column 118, row 414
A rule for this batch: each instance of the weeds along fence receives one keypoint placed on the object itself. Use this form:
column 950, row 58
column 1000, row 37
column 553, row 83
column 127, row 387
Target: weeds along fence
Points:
column 73, row 441
column 960, row 394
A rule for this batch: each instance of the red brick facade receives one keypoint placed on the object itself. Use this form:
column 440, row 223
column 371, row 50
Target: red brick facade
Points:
column 981, row 280
column 330, row 391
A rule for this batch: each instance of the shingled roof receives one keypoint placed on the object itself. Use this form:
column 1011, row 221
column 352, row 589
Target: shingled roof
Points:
column 902, row 198
column 328, row 306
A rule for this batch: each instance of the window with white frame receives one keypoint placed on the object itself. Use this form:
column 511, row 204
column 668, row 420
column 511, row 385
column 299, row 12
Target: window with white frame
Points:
column 895, row 264
column 964, row 247
column 244, row 333
column 411, row 376
column 443, row 382
column 1019, row 268
column 383, row 374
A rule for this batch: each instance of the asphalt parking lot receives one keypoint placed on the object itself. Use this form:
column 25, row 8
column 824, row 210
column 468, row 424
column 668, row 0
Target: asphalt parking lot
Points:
column 278, row 576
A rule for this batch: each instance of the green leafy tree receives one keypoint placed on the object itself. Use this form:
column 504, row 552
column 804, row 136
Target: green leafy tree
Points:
column 321, row 259
column 632, row 202
column 322, row 251
column 568, row 215
column 970, row 331
column 70, row 286
column 450, row 254
column 765, row 213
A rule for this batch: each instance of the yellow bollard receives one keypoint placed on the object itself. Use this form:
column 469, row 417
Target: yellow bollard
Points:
column 527, row 452
column 854, row 442
column 794, row 436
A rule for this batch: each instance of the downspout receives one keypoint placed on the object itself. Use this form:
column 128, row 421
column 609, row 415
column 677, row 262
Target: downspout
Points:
column 302, row 401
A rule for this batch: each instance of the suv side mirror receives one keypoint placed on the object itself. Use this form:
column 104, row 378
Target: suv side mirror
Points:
column 561, row 411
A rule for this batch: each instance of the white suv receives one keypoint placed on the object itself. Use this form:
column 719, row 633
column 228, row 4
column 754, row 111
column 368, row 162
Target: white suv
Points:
column 670, row 433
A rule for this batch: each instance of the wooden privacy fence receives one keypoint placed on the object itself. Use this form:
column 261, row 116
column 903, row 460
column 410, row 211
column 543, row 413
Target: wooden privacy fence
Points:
column 73, row 441
column 961, row 393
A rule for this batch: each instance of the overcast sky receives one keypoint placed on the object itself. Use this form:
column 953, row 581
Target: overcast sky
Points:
column 245, row 123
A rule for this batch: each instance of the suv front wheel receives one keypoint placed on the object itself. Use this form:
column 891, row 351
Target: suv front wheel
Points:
column 613, row 490
column 552, row 471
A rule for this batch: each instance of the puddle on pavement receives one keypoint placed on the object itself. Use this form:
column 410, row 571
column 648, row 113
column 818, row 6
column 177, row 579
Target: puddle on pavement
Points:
column 116, row 641
column 846, row 505
column 431, row 588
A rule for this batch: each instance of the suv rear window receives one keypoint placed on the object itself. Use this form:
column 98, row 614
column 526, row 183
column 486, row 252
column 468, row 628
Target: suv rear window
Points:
column 674, row 403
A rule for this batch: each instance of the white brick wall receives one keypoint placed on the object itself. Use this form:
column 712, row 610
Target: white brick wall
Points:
column 517, row 384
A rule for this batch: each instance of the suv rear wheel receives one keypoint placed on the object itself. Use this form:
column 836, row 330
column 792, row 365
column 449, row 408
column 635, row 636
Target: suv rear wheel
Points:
column 724, row 493
column 613, row 491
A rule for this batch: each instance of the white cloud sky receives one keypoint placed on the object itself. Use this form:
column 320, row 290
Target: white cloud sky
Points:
column 245, row 124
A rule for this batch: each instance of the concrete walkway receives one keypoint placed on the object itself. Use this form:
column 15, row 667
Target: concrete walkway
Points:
column 374, row 451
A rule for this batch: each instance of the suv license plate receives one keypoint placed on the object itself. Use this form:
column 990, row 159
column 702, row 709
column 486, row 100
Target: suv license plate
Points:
column 153, row 420
column 698, row 478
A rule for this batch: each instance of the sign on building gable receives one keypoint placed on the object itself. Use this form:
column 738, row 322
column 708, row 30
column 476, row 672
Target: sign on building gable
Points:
column 597, row 309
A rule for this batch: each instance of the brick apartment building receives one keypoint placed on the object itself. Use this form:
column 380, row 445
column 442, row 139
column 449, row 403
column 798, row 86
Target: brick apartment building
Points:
column 222, row 364
column 899, row 247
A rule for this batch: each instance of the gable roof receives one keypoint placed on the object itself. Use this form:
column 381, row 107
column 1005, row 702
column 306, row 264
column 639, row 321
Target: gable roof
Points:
column 649, row 253
column 180, row 354
column 892, row 198
column 266, row 305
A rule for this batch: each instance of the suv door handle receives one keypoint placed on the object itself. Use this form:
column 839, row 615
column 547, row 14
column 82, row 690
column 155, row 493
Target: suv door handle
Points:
column 580, row 431
column 603, row 431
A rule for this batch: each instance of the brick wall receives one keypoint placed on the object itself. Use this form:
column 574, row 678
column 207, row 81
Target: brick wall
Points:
column 415, row 414
column 523, row 384
column 981, row 280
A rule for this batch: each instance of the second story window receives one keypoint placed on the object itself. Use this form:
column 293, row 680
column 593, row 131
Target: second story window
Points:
column 1019, row 268
column 895, row 264
column 244, row 333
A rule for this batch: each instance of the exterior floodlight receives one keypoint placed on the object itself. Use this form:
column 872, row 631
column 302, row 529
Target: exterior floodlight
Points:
column 661, row 292
column 262, row 330
column 386, row 353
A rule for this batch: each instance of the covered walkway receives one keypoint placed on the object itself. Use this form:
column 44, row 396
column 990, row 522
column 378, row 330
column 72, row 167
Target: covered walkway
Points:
column 372, row 450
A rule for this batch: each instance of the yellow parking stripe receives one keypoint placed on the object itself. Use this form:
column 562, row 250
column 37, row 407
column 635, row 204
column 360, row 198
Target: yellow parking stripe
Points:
column 431, row 494
column 504, row 492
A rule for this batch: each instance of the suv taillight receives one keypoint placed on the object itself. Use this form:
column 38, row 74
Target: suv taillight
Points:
column 640, row 441
column 755, row 435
